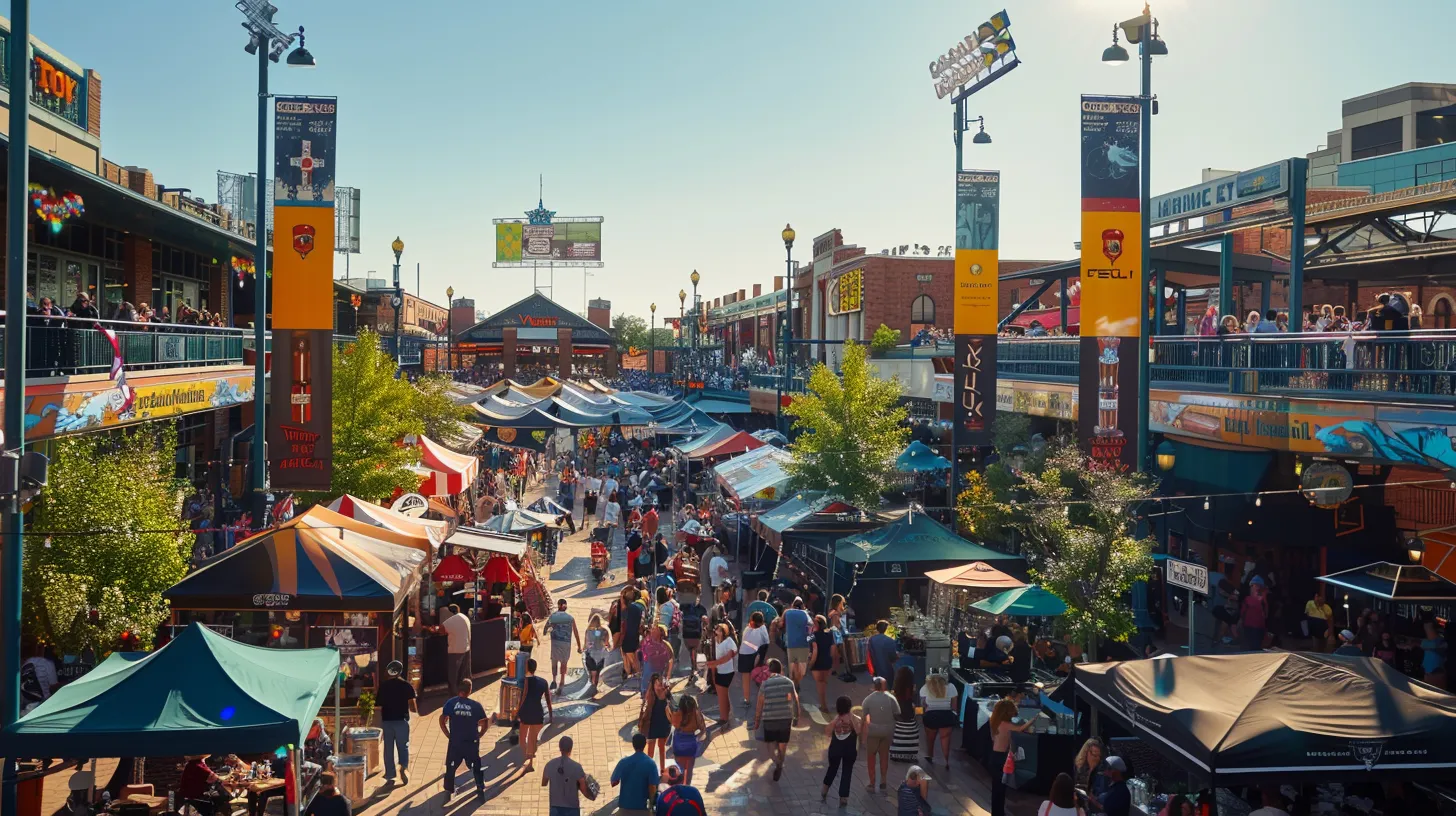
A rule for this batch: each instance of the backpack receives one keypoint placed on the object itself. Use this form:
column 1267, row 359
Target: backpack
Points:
column 691, row 619
column 672, row 803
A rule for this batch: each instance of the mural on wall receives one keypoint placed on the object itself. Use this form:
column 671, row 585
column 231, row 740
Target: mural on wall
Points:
column 89, row 406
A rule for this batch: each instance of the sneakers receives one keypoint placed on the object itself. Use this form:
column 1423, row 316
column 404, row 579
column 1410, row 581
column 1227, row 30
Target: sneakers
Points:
column 403, row 776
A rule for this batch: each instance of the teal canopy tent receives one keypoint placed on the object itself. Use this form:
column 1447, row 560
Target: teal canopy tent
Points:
column 904, row 547
column 201, row 693
column 1023, row 602
column 919, row 458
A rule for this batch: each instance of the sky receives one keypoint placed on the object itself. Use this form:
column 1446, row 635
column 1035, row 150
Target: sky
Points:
column 697, row 130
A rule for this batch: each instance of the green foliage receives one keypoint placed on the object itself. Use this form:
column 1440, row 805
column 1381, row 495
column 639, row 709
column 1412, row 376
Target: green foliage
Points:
column 113, row 507
column 373, row 411
column 437, row 412
column 851, row 432
column 981, row 514
column 885, row 339
column 630, row 331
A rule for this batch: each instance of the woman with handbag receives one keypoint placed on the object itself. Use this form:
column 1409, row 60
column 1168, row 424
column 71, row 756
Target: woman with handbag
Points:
column 654, row 720
column 1001, row 730
column 752, row 652
column 689, row 731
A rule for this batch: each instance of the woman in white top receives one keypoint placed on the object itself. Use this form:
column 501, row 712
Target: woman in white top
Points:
column 725, row 652
column 751, row 652
column 612, row 518
column 1061, row 799
column 940, row 716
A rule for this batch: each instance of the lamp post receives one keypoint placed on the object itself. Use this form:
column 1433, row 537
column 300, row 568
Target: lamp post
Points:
column 267, row 41
column 697, row 309
column 788, row 326
column 652, row 342
column 1143, row 30
column 682, row 365
column 963, row 121
column 450, row 329
column 398, row 302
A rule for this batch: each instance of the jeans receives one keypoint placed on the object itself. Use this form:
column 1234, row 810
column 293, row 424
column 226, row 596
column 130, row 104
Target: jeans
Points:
column 998, row 787
column 844, row 767
column 470, row 755
column 396, row 734
column 458, row 669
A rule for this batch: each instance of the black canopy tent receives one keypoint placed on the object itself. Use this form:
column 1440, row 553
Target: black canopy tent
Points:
column 1279, row 717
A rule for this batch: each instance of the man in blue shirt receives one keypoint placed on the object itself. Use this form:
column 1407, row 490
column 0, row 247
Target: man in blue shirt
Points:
column 884, row 651
column 637, row 774
column 679, row 799
column 796, row 639
column 464, row 722
column 762, row 605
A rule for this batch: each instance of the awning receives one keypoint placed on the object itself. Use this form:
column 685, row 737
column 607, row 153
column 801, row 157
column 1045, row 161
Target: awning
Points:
column 919, row 458
column 1394, row 582
column 452, row 472
column 1023, row 602
column 892, row 551
column 718, row 406
column 1049, row 318
column 518, row 521
column 1217, row 470
column 711, row 435
column 1280, row 717
column 322, row 518
column 437, row 506
column 474, row 538
column 201, row 693
column 801, row 506
column 758, row 474
column 738, row 442
column 977, row 574
column 371, row 513
column 549, row 506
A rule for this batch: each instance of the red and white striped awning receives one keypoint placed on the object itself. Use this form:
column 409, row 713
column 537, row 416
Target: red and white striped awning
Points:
column 450, row 473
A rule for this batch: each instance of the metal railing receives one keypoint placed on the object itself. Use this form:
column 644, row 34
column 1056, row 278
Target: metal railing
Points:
column 1037, row 358
column 67, row 346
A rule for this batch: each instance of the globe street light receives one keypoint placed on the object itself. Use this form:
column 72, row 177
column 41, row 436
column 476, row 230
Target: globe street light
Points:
column 652, row 341
column 788, row 325
column 398, row 302
column 450, row 328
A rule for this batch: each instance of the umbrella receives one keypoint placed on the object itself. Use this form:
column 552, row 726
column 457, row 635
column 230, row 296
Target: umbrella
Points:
column 498, row 570
column 1395, row 582
column 919, row 458
column 1024, row 602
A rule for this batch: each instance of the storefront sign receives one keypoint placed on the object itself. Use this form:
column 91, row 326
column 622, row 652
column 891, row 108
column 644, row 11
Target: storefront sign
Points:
column 1326, row 484
column 846, row 293
column 272, row 600
column 300, row 421
column 976, row 276
column 93, row 406
column 53, row 87
column 1037, row 399
column 1222, row 193
column 1112, row 288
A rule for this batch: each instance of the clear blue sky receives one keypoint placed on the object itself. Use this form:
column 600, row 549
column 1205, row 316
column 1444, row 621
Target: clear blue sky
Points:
column 698, row 129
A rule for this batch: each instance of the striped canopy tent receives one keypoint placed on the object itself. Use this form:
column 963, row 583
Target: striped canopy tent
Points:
column 736, row 443
column 518, row 522
column 303, row 566
column 451, row 473
column 370, row 513
column 320, row 517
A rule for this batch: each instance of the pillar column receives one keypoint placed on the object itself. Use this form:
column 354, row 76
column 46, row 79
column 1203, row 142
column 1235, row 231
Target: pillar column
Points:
column 610, row 362
column 508, row 352
column 563, row 353
column 136, row 264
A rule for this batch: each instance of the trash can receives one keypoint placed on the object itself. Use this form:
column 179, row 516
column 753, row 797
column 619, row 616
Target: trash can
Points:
column 370, row 743
column 349, row 776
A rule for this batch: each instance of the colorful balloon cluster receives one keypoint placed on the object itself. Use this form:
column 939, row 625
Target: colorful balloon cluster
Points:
column 55, row 209
column 242, row 267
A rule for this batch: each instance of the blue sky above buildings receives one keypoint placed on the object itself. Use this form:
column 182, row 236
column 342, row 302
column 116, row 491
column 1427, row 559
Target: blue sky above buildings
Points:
column 697, row 130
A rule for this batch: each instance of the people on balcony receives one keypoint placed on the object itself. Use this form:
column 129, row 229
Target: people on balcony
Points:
column 82, row 307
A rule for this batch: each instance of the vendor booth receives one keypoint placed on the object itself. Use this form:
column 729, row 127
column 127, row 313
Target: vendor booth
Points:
column 450, row 473
column 954, row 588
column 379, row 516
column 1272, row 718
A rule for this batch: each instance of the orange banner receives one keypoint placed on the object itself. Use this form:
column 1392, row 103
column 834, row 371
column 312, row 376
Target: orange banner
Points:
column 976, row 291
column 1111, row 274
column 303, row 267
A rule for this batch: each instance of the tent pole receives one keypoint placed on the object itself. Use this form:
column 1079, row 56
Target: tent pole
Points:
column 295, row 760
column 1191, row 617
column 338, row 721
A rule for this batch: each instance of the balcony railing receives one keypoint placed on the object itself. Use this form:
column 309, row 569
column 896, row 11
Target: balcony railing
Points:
column 60, row 346
column 1035, row 358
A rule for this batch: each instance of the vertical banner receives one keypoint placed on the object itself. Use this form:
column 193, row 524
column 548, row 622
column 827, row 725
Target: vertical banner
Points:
column 300, row 402
column 977, row 296
column 1112, row 285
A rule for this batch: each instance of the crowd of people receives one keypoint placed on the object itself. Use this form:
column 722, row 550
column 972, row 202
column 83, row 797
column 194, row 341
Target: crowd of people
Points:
column 1392, row 311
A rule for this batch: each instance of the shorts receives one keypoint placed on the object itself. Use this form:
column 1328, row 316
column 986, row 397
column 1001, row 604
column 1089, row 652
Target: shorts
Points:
column 746, row 662
column 875, row 745
column 722, row 680
column 777, row 731
column 595, row 665
column 940, row 718
column 798, row 654
column 560, row 651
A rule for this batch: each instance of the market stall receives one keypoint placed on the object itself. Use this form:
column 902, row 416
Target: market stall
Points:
column 380, row 516
column 451, row 473
column 954, row 588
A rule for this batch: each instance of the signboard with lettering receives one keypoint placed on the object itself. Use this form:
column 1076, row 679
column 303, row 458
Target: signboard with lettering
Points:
column 1222, row 193
column 1186, row 574
column 846, row 292
column 560, row 241
column 977, row 59
column 54, row 87
column 977, row 287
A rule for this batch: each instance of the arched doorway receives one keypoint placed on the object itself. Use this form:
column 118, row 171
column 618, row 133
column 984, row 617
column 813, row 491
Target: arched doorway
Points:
column 922, row 314
column 1442, row 313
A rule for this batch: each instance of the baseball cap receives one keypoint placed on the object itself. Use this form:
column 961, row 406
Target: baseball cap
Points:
column 1116, row 763
column 1257, row 579
column 1003, row 643
column 1347, row 636
column 917, row 772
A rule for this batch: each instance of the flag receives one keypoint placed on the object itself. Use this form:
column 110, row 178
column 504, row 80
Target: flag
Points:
column 118, row 369
column 283, row 510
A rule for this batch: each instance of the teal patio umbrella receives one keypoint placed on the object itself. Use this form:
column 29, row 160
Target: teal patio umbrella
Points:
column 919, row 458
column 1023, row 602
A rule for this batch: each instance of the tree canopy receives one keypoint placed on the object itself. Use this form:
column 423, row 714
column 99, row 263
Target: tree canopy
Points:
column 851, row 429
column 437, row 411
column 373, row 411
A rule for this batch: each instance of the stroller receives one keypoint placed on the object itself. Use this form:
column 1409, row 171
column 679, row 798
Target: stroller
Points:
column 599, row 561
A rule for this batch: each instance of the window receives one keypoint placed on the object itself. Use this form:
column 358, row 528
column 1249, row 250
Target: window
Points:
column 922, row 310
column 1441, row 314
column 1375, row 139
column 1435, row 128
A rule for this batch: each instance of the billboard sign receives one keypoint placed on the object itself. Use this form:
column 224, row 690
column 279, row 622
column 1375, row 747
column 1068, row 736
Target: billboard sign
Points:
column 346, row 220
column 564, row 242
column 846, row 292
column 977, row 286
column 1222, row 193
column 1113, row 291
column 978, row 58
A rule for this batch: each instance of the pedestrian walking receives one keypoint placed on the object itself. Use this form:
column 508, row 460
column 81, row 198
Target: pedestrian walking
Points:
column 1001, row 730
column 533, row 712
column 654, row 719
column 464, row 722
column 637, row 774
column 563, row 628
column 778, row 710
column 690, row 728
column 880, row 710
column 655, row 656
column 598, row 646
column 634, row 611
column 939, row 718
column 913, row 792
column 568, row 782
column 796, row 638
column 457, row 646
column 821, row 658
column 883, row 652
column 721, row 666
column 905, row 744
column 752, row 651
column 843, row 732
column 526, row 634
column 693, row 615
column 669, row 617
column 397, row 701
column 838, row 625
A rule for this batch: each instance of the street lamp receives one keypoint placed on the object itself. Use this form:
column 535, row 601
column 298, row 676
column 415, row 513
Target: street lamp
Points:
column 652, row 341
column 788, row 325
column 268, row 41
column 1142, row 30
column 398, row 302
column 682, row 366
column 450, row 328
column 981, row 137
column 695, row 277
column 1166, row 455
column 1415, row 549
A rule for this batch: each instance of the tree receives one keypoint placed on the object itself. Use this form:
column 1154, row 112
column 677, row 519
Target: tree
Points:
column 437, row 410
column 630, row 331
column 1077, row 523
column 885, row 339
column 373, row 411
column 107, row 535
column 852, row 429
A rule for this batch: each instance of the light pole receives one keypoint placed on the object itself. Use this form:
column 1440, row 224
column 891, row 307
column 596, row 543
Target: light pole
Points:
column 652, row 342
column 682, row 364
column 398, row 303
column 1142, row 30
column 450, row 329
column 788, row 326
column 16, row 194
column 697, row 309
column 267, row 41
column 963, row 121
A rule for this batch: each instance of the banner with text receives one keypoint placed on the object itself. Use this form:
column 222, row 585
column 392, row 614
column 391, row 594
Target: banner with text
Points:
column 300, row 410
column 1113, row 292
column 977, row 302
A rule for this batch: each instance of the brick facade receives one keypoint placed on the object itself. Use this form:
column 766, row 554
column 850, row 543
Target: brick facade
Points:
column 93, row 103
column 136, row 263
column 563, row 353
column 508, row 351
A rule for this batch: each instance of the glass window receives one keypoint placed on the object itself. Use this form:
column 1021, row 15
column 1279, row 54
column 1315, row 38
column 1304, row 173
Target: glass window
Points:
column 922, row 310
column 1377, row 139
